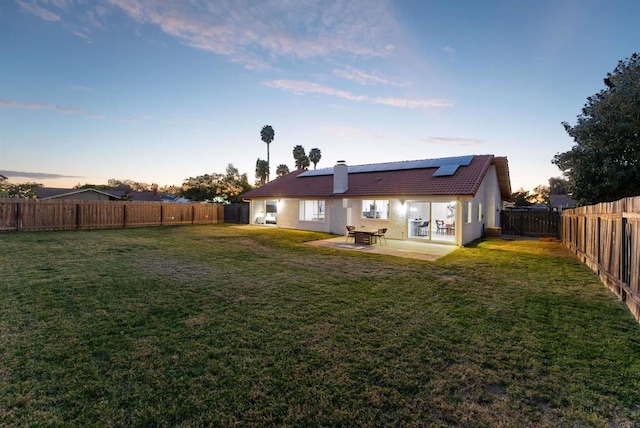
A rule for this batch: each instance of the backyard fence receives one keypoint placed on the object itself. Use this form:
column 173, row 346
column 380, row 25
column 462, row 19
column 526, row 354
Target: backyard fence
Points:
column 531, row 223
column 32, row 214
column 606, row 237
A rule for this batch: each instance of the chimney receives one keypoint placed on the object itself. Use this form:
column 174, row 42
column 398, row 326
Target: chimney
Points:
column 340, row 177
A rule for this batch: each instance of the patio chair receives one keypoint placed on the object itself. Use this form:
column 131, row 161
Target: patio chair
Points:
column 423, row 229
column 440, row 227
column 351, row 233
column 380, row 235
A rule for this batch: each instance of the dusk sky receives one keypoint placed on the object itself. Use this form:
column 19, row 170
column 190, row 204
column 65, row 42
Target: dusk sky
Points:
column 158, row 91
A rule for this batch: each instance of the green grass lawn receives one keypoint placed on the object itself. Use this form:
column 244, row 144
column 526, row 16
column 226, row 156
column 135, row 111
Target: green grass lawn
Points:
column 220, row 325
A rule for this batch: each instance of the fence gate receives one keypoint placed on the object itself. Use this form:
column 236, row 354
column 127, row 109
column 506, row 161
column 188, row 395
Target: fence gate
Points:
column 531, row 223
column 236, row 213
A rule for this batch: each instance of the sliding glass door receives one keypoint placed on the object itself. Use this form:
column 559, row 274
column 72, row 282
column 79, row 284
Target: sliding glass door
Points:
column 431, row 221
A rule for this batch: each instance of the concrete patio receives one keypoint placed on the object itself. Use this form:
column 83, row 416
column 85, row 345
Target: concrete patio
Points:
column 392, row 247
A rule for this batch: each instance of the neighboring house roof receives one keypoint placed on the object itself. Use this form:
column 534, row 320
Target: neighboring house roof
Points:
column 60, row 193
column 176, row 199
column 112, row 194
column 561, row 201
column 443, row 176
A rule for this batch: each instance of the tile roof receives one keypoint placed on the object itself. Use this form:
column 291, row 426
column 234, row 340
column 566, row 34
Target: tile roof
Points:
column 406, row 182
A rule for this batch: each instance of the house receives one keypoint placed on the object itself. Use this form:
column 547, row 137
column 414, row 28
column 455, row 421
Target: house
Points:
column 91, row 194
column 561, row 202
column 447, row 200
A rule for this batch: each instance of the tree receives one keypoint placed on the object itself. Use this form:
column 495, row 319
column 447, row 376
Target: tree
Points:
column 521, row 198
column 314, row 157
column 220, row 188
column 22, row 191
column 540, row 195
column 604, row 163
column 267, row 134
column 282, row 170
column 262, row 172
column 300, row 157
column 558, row 186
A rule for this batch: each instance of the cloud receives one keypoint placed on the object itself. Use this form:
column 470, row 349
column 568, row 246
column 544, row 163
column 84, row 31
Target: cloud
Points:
column 302, row 87
column 449, row 50
column 454, row 141
column 60, row 109
column 361, row 77
column 39, row 11
column 35, row 175
column 257, row 33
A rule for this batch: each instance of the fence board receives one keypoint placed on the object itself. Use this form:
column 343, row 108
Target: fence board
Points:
column 606, row 237
column 32, row 215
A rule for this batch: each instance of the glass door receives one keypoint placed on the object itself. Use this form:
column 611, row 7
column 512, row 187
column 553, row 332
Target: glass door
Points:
column 419, row 220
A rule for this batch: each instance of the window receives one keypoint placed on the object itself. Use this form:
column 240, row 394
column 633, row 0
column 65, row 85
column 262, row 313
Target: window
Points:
column 469, row 212
column 480, row 213
column 375, row 209
column 312, row 210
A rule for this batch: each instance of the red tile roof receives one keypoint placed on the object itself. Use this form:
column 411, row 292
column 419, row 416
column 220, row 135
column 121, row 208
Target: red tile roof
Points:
column 408, row 182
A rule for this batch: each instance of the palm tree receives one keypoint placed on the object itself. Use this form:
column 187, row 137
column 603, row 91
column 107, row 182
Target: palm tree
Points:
column 282, row 170
column 298, row 155
column 262, row 171
column 302, row 162
column 314, row 157
column 267, row 134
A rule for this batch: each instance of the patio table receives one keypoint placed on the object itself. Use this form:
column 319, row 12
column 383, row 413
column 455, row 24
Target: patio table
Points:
column 365, row 237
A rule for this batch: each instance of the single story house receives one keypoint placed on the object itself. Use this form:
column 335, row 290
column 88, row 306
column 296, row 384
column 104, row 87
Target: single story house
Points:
column 91, row 194
column 446, row 200
column 561, row 202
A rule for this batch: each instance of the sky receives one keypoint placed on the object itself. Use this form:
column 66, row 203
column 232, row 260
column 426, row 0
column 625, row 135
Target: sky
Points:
column 157, row 91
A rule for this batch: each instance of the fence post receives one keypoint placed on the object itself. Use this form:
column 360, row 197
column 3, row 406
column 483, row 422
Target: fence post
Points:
column 18, row 219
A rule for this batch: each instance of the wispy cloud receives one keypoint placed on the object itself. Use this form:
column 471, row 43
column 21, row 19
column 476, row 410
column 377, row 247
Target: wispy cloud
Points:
column 60, row 109
column 453, row 141
column 35, row 175
column 302, row 87
column 39, row 11
column 363, row 77
column 256, row 33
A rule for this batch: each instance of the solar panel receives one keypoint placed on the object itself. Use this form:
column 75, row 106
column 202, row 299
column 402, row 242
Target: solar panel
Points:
column 445, row 170
column 446, row 166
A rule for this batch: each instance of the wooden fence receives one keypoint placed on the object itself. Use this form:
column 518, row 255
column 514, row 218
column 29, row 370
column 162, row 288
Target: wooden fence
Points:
column 606, row 237
column 531, row 223
column 32, row 214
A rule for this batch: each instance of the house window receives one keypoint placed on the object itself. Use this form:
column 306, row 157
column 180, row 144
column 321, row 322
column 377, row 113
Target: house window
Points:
column 311, row 210
column 468, row 212
column 480, row 213
column 375, row 209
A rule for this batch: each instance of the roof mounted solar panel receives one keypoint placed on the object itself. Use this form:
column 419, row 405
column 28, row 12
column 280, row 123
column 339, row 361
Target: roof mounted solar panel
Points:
column 446, row 170
column 446, row 166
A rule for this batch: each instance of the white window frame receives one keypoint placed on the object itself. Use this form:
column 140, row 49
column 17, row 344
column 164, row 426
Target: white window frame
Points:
column 480, row 213
column 312, row 210
column 468, row 217
column 371, row 206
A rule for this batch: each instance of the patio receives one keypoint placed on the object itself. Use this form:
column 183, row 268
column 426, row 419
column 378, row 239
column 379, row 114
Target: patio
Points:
column 393, row 247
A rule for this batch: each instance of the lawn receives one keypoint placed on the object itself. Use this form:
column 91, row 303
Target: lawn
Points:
column 221, row 326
